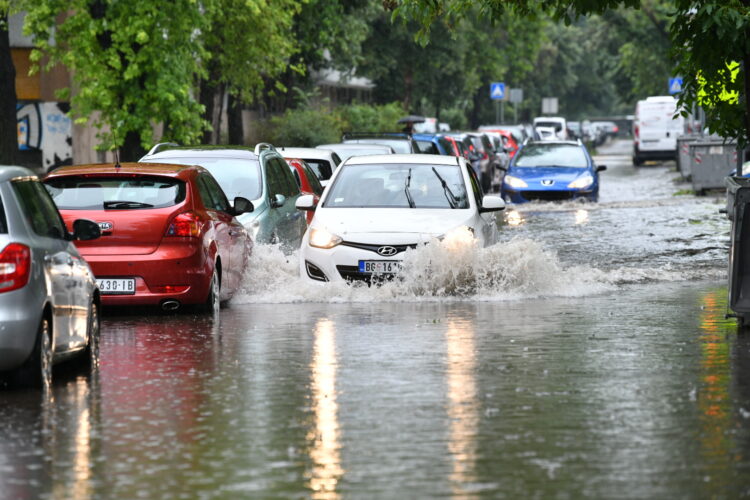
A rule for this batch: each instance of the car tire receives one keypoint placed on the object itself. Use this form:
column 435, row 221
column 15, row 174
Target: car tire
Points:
column 91, row 354
column 212, row 304
column 36, row 371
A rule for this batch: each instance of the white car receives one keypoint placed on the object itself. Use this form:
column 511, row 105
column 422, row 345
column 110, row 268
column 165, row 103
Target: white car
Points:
column 322, row 161
column 376, row 207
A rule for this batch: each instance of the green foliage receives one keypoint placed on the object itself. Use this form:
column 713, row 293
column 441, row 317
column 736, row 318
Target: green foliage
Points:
column 456, row 118
column 132, row 62
column 367, row 118
column 305, row 128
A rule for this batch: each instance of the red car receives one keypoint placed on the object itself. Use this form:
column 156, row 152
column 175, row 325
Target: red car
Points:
column 508, row 140
column 307, row 181
column 169, row 235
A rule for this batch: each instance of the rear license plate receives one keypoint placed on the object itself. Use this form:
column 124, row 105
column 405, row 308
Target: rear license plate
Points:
column 379, row 266
column 109, row 286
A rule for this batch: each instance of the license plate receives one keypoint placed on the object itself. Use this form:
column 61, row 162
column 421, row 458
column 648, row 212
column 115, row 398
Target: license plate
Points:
column 379, row 266
column 716, row 150
column 109, row 286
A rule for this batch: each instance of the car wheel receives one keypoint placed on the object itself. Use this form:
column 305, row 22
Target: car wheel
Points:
column 212, row 304
column 92, row 348
column 36, row 371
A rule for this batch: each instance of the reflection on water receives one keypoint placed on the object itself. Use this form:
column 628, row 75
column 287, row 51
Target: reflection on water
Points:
column 463, row 405
column 324, row 437
column 514, row 218
column 582, row 217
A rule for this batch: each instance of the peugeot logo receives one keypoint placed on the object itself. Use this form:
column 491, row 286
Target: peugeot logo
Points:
column 387, row 251
column 547, row 182
column 105, row 226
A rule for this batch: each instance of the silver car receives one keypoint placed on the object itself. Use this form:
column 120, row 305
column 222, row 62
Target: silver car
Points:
column 49, row 302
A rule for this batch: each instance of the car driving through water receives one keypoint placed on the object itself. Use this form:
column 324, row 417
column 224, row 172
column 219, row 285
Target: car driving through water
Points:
column 378, row 207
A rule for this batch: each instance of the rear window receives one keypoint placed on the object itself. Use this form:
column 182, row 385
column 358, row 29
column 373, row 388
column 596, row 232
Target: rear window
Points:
column 322, row 168
column 551, row 155
column 237, row 177
column 115, row 193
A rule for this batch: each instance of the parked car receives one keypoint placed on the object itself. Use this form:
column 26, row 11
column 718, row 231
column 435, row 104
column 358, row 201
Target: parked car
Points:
column 260, row 175
column 307, row 181
column 433, row 144
column 655, row 129
column 169, row 235
column 551, row 171
column 376, row 207
column 519, row 132
column 547, row 134
column 346, row 151
column 49, row 301
column 558, row 124
column 473, row 157
column 323, row 161
column 400, row 142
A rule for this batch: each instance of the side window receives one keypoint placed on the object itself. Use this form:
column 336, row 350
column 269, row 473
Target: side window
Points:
column 205, row 193
column 336, row 159
column 296, row 176
column 217, row 194
column 317, row 187
column 274, row 179
column 39, row 209
column 292, row 186
column 475, row 186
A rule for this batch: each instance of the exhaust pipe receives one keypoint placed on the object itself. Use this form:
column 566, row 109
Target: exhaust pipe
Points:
column 170, row 305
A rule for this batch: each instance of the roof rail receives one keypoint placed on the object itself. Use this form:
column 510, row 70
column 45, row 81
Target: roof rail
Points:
column 382, row 135
column 261, row 146
column 159, row 146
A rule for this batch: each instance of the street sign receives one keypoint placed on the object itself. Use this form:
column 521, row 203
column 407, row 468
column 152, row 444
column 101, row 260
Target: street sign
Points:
column 549, row 105
column 497, row 91
column 675, row 85
column 516, row 95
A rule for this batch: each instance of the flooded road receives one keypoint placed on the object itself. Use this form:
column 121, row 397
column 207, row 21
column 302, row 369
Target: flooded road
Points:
column 586, row 355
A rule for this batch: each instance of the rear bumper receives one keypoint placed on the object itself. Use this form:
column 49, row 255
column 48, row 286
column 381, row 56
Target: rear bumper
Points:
column 177, row 264
column 654, row 154
column 20, row 315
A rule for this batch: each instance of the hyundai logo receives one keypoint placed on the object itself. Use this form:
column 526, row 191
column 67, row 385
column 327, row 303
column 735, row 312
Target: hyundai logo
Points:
column 105, row 226
column 547, row 182
column 387, row 251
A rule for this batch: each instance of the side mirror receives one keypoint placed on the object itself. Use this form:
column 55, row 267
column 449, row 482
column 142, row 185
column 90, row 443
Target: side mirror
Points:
column 278, row 201
column 601, row 168
column 305, row 202
column 492, row 204
column 504, row 168
column 84, row 229
column 242, row 206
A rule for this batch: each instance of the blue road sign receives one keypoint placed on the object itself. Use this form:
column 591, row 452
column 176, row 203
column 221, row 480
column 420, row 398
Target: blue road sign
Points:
column 675, row 85
column 497, row 91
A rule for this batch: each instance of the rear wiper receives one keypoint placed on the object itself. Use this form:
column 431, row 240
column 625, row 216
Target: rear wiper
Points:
column 406, row 190
column 126, row 204
column 446, row 190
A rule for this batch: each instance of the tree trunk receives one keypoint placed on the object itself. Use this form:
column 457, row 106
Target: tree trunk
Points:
column 234, row 120
column 476, row 109
column 206, row 97
column 8, row 127
column 746, row 77
column 132, row 150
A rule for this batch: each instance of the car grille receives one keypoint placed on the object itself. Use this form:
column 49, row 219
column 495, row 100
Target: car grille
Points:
column 374, row 248
column 547, row 195
column 351, row 273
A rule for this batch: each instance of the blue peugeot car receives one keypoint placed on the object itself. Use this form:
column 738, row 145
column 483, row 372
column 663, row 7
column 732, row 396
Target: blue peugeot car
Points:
column 551, row 171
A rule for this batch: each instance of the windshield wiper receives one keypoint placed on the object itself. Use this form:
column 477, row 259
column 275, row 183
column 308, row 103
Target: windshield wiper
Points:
column 452, row 201
column 126, row 204
column 406, row 190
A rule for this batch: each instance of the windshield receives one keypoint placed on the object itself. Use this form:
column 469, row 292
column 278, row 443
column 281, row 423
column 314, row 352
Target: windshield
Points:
column 398, row 186
column 400, row 146
column 551, row 155
column 115, row 193
column 237, row 177
column 554, row 124
column 345, row 154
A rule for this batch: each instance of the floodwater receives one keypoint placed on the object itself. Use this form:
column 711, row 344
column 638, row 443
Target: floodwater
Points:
column 586, row 355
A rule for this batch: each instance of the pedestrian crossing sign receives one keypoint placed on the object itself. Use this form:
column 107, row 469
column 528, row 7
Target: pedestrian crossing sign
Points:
column 675, row 85
column 497, row 91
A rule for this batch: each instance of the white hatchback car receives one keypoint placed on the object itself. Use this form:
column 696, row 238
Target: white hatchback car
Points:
column 376, row 207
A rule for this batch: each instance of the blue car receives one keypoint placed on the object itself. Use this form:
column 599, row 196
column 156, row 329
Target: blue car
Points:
column 551, row 171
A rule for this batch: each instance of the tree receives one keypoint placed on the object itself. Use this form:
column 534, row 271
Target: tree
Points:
column 8, row 130
column 135, row 63
column 707, row 36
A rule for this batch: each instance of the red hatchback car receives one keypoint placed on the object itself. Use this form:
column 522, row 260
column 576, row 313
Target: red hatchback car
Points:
column 169, row 235
column 306, row 180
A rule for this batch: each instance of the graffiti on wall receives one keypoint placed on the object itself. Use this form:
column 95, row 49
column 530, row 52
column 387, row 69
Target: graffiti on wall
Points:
column 45, row 126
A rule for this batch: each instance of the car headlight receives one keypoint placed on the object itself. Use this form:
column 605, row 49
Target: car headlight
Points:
column 321, row 238
column 582, row 182
column 515, row 182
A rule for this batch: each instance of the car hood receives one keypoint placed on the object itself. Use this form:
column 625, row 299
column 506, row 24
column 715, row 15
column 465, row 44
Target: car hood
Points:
column 537, row 174
column 407, row 225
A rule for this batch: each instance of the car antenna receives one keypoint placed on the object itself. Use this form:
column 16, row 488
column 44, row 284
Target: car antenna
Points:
column 117, row 158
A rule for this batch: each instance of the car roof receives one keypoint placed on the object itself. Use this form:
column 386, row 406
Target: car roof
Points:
column 353, row 145
column 165, row 169
column 568, row 143
column 416, row 159
column 238, row 152
column 318, row 154
column 8, row 172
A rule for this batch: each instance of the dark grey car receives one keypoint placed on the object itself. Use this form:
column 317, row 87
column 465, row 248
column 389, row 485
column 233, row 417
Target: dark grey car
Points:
column 49, row 302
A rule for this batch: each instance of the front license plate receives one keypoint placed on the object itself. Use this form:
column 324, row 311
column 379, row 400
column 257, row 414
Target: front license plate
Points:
column 379, row 266
column 108, row 286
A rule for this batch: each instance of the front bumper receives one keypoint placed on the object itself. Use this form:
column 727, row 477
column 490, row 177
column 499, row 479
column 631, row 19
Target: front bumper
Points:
column 184, row 264
column 526, row 195
column 341, row 263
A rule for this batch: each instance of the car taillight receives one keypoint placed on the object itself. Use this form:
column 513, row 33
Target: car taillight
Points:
column 185, row 224
column 15, row 267
column 615, row 129
column 635, row 131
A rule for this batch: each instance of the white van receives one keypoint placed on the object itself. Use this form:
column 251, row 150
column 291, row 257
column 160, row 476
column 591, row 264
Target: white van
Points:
column 655, row 131
column 557, row 122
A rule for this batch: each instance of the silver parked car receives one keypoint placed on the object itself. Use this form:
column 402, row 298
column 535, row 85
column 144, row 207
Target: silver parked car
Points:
column 49, row 302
